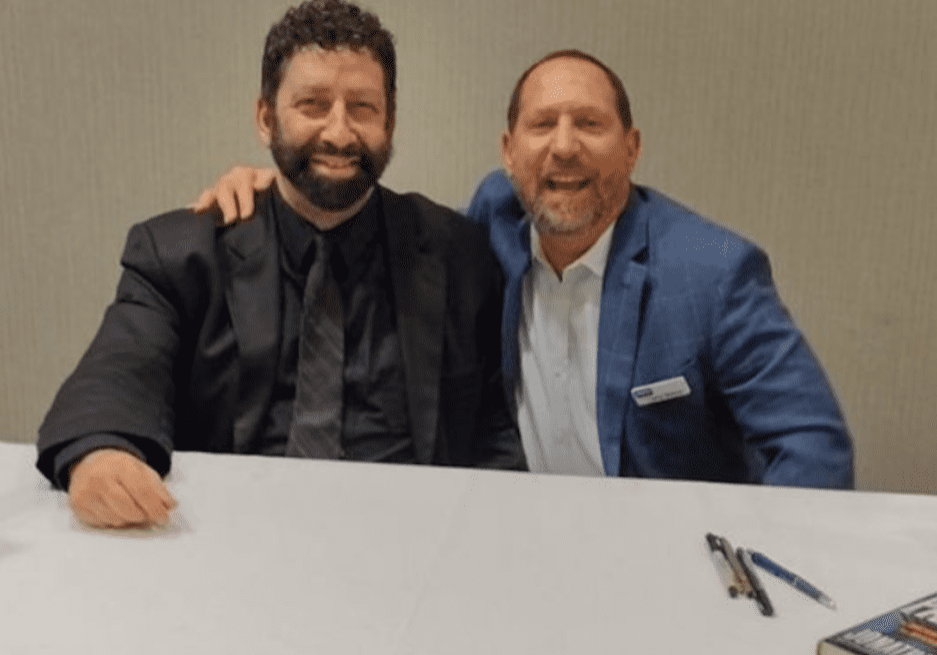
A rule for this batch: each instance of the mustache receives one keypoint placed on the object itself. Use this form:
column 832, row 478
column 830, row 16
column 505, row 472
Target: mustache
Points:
column 326, row 148
column 366, row 158
column 581, row 171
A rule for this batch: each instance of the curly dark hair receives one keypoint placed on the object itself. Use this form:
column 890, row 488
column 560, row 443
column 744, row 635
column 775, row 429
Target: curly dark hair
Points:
column 624, row 107
column 328, row 24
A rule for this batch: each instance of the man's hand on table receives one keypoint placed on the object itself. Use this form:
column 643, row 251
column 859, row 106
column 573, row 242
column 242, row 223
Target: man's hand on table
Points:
column 233, row 193
column 111, row 488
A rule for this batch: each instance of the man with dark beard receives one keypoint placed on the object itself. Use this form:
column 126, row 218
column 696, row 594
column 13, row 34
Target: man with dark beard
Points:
column 345, row 321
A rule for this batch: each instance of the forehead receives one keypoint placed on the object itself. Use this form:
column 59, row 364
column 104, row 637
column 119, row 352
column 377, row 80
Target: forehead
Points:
column 342, row 69
column 566, row 82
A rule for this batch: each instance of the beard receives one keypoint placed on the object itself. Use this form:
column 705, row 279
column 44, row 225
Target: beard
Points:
column 296, row 164
column 580, row 211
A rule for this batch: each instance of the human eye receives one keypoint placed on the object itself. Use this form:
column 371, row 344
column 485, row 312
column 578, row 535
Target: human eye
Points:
column 362, row 107
column 590, row 123
column 542, row 123
column 313, row 105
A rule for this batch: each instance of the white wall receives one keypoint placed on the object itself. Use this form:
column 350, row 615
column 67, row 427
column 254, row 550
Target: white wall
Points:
column 807, row 125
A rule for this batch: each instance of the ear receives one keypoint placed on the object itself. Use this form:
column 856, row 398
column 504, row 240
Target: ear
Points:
column 507, row 147
column 391, row 124
column 633, row 148
column 264, row 119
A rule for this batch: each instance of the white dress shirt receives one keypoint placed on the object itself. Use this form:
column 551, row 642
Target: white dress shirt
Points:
column 558, row 339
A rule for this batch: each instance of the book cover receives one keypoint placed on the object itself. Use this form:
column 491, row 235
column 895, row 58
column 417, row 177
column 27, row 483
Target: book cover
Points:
column 907, row 630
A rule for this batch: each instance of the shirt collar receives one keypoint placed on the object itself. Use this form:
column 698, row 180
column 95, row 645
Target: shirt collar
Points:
column 352, row 238
column 594, row 259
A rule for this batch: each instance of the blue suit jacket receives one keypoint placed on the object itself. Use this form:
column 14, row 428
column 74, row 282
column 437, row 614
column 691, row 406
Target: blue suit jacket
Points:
column 684, row 297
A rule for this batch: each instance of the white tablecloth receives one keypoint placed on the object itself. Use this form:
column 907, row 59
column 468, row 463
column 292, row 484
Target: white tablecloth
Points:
column 280, row 556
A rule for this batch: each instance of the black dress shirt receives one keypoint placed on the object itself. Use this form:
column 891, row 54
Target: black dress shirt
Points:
column 375, row 424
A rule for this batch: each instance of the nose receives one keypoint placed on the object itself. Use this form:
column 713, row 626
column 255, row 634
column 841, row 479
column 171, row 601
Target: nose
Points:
column 337, row 130
column 565, row 143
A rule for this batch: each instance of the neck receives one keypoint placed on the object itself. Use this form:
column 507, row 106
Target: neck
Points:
column 561, row 249
column 323, row 219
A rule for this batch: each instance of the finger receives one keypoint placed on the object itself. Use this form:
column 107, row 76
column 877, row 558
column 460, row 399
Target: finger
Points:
column 263, row 178
column 119, row 502
column 85, row 514
column 158, row 494
column 168, row 499
column 150, row 494
column 92, row 511
column 151, row 507
column 205, row 202
column 245, row 199
column 159, row 488
column 227, row 202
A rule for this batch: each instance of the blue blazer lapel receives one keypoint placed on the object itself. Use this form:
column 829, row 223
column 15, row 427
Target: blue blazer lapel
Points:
column 419, row 280
column 250, row 253
column 620, row 317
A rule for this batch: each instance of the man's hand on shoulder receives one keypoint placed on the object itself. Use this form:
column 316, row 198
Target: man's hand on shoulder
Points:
column 110, row 488
column 233, row 193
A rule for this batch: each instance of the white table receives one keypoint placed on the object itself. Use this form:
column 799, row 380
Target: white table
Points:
column 276, row 556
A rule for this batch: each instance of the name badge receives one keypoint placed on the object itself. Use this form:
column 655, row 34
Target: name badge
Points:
column 658, row 392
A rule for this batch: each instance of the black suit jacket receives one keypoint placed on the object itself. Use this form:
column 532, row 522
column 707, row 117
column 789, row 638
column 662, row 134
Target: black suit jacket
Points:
column 186, row 356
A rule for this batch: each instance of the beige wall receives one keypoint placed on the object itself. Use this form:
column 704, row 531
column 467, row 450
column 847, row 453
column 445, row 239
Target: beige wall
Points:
column 806, row 124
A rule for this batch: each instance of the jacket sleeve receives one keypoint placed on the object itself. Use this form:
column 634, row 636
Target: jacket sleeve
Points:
column 498, row 443
column 773, row 383
column 494, row 197
column 123, row 385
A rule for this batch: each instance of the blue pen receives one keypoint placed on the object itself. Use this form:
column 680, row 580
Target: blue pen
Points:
column 792, row 579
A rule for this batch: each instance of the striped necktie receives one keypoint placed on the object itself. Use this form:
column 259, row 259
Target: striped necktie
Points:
column 316, row 430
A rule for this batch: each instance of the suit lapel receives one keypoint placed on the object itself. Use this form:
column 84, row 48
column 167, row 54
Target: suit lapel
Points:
column 250, row 253
column 418, row 275
column 620, row 317
column 511, row 242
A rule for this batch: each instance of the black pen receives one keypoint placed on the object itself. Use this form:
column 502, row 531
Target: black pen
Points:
column 792, row 579
column 758, row 592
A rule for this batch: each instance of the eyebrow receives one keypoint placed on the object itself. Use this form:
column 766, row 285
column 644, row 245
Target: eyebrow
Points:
column 325, row 86
column 578, row 109
column 314, row 89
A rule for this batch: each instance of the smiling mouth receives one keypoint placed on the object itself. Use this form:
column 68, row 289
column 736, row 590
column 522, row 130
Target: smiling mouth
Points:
column 336, row 163
column 566, row 183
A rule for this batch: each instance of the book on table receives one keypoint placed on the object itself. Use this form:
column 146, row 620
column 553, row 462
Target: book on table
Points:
column 907, row 630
